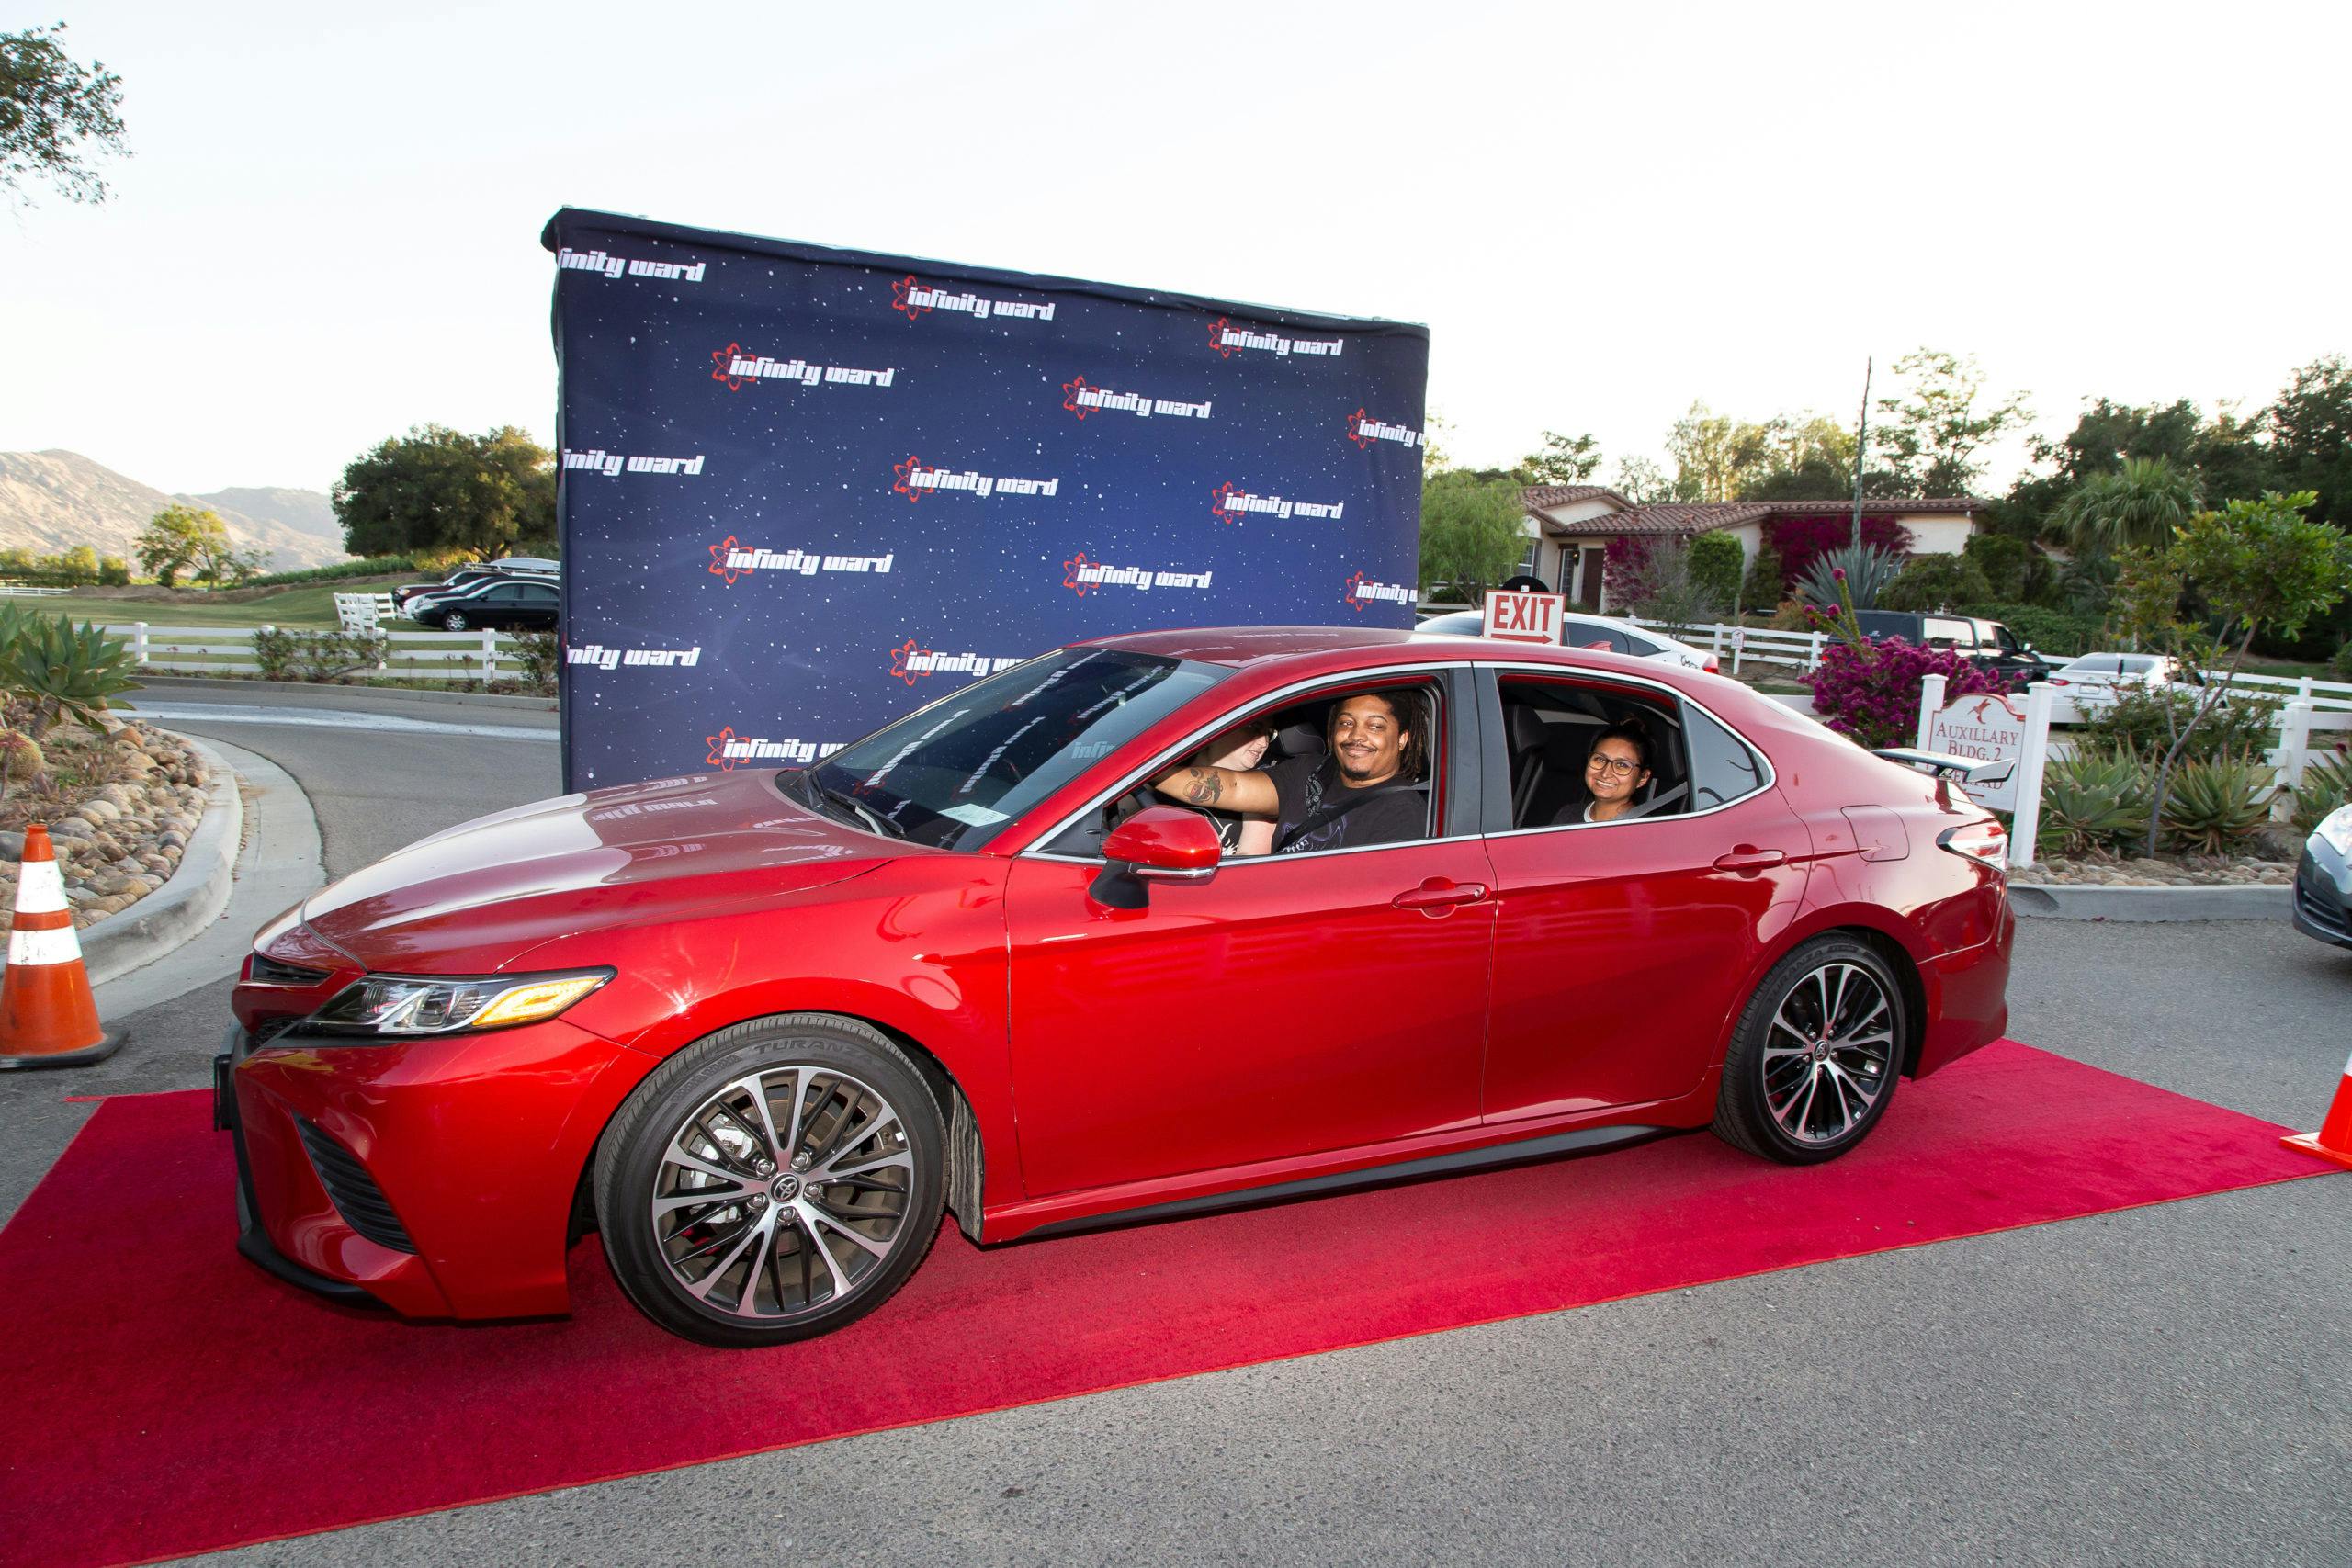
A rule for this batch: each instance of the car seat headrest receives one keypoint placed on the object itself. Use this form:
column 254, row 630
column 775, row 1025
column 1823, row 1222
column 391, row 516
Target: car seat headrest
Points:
column 1527, row 728
column 1303, row 738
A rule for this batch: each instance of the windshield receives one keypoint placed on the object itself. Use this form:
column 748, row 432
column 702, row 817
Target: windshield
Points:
column 951, row 774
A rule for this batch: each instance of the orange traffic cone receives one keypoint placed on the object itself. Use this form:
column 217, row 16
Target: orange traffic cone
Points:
column 47, row 1017
column 2334, row 1139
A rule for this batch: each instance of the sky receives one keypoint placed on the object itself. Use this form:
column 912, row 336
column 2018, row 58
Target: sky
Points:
column 329, row 228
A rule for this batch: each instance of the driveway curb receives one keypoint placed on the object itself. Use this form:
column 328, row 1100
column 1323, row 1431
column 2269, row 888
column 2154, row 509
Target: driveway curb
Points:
column 199, row 891
column 2098, row 901
column 460, row 699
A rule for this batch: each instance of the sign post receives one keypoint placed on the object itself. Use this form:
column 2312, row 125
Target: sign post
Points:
column 1525, row 617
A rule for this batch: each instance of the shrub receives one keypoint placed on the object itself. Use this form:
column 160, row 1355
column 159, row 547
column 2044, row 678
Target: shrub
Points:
column 2341, row 665
column 316, row 655
column 1867, row 573
column 1871, row 692
column 1935, row 582
column 61, row 670
column 540, row 655
column 2212, row 807
column 2009, row 566
column 2055, row 632
column 2326, row 784
column 366, row 566
column 1716, row 563
column 2237, row 729
column 113, row 572
column 1763, row 584
column 2093, row 799
column 1798, row 540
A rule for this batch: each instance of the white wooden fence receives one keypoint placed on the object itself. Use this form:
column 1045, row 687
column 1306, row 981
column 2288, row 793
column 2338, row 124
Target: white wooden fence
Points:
column 417, row 655
column 18, row 591
column 1732, row 646
column 2304, row 729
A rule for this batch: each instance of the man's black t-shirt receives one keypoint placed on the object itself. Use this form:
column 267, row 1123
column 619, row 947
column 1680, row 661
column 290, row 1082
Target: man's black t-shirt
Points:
column 1310, row 816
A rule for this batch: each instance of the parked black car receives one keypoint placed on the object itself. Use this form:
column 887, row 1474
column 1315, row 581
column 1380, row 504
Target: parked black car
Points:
column 2323, row 881
column 513, row 603
column 476, row 571
column 1988, row 644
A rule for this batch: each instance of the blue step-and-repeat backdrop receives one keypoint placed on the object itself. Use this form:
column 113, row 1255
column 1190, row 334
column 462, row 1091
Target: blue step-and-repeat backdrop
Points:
column 805, row 490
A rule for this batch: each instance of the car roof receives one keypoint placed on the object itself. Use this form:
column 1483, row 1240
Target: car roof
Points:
column 1343, row 647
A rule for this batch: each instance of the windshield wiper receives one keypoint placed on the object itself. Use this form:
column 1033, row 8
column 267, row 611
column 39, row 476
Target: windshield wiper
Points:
column 881, row 825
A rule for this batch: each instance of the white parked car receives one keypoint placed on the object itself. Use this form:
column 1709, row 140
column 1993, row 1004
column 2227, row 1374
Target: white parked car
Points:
column 1580, row 630
column 2101, row 676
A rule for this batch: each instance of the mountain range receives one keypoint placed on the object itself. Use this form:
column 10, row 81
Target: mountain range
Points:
column 52, row 500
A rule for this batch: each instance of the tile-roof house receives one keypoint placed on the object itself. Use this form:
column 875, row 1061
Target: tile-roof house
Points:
column 1569, row 527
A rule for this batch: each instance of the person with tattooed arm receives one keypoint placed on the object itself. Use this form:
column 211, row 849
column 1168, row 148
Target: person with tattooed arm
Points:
column 1370, row 788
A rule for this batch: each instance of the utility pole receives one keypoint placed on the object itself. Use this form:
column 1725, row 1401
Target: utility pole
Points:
column 1861, row 451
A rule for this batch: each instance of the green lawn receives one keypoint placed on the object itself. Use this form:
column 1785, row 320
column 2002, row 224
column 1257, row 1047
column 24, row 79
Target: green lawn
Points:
column 311, row 605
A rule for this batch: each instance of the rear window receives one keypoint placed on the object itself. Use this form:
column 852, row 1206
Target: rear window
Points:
column 1584, row 634
column 1723, row 766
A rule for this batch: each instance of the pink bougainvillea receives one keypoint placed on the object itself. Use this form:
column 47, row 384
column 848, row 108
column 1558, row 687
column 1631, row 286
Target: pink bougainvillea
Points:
column 1799, row 539
column 1622, row 567
column 1871, row 691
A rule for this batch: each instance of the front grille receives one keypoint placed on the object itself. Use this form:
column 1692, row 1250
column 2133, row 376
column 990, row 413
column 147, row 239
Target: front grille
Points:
column 268, row 971
column 266, row 1030
column 2322, row 910
column 353, row 1191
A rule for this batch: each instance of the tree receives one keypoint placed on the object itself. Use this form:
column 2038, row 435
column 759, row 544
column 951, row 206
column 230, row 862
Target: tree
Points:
column 2140, row 503
column 1937, row 583
column 2255, row 564
column 1471, row 532
column 2311, row 436
column 1709, row 451
column 1933, row 433
column 1665, row 588
column 436, row 489
column 1561, row 460
column 177, row 540
column 51, row 106
column 1716, row 563
column 1643, row 482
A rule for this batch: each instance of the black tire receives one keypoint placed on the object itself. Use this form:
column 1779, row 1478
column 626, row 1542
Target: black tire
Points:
column 700, row 1266
column 455, row 621
column 1785, row 1054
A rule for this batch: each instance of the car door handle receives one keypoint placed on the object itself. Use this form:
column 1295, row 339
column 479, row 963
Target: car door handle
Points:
column 1438, row 893
column 1747, row 859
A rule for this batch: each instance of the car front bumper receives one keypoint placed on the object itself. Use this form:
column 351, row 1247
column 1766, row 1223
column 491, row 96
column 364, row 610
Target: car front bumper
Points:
column 437, row 1177
column 2323, row 893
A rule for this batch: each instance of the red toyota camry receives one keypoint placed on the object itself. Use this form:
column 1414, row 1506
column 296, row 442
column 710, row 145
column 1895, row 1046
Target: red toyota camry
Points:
column 1137, row 927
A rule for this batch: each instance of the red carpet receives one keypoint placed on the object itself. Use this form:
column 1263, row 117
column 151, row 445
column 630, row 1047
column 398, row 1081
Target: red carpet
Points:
column 163, row 1396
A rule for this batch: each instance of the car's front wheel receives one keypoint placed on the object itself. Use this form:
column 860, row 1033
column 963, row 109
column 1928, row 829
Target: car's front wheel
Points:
column 455, row 621
column 775, row 1181
column 1813, row 1061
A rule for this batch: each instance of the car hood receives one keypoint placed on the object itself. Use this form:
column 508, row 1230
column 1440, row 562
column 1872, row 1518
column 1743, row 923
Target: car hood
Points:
column 473, row 898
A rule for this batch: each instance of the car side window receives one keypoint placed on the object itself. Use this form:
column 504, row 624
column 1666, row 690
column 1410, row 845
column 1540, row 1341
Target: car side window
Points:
column 1584, row 634
column 1724, row 768
column 1550, row 729
column 1640, row 646
column 1949, row 634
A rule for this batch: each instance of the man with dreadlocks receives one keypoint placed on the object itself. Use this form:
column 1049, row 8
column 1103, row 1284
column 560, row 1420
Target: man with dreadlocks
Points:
column 1369, row 788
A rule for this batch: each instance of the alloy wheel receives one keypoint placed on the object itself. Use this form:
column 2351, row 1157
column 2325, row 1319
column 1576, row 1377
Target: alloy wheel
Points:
column 1829, row 1053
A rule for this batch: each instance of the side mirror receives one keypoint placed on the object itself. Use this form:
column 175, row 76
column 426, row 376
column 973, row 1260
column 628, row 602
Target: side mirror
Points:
column 1159, row 843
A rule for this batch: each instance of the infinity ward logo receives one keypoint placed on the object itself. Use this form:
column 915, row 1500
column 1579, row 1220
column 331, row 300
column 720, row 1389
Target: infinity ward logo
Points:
column 1365, row 430
column 1362, row 591
column 914, row 481
column 1227, row 503
column 727, row 750
column 909, row 663
column 1229, row 339
column 739, row 369
column 730, row 560
column 596, row 460
column 1080, row 576
column 569, row 260
column 1083, row 400
column 911, row 300
column 599, row 657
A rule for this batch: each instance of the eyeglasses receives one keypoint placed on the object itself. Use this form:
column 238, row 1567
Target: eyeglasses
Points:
column 1615, row 767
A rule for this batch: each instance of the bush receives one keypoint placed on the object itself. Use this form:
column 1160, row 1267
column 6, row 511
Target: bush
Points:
column 2009, row 566
column 366, row 566
column 1763, row 584
column 2093, row 799
column 2055, row 632
column 2326, row 784
column 1936, row 582
column 2341, row 665
column 2238, row 728
column 113, row 572
column 1798, row 540
column 540, row 655
column 54, row 670
column 316, row 655
column 2212, row 807
column 1871, row 693
column 1716, row 563
column 1867, row 573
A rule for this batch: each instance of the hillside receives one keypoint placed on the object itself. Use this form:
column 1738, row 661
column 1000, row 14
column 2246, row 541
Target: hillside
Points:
column 53, row 500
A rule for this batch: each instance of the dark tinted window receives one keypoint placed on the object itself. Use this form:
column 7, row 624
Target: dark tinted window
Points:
column 1722, row 769
column 1584, row 634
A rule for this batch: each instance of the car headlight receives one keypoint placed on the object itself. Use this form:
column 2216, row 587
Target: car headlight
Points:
column 443, row 1004
column 2336, row 829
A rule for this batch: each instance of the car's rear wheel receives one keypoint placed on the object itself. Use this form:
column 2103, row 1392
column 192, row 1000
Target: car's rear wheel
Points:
column 1813, row 1061
column 775, row 1181
column 456, row 621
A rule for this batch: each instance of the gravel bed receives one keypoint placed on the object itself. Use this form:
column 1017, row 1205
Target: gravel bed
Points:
column 123, row 839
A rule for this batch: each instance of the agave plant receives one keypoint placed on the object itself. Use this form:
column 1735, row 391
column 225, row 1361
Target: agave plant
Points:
column 2326, row 784
column 60, row 669
column 1869, row 572
column 2094, row 798
column 2212, row 807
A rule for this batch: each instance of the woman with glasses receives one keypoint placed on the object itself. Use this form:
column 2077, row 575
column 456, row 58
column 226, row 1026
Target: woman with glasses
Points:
column 1618, row 768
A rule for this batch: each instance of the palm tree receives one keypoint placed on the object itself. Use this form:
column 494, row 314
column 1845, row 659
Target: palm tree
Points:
column 2140, row 503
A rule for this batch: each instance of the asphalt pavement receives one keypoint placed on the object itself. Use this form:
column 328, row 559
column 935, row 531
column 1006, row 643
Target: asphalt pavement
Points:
column 2162, row 1385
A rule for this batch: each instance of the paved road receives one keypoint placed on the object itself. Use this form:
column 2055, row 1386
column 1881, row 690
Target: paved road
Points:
column 2157, row 1387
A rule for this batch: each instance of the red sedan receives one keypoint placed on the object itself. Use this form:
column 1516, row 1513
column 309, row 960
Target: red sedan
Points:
column 760, row 1027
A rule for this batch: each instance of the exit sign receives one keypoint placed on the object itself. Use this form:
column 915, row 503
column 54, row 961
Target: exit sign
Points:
column 1525, row 618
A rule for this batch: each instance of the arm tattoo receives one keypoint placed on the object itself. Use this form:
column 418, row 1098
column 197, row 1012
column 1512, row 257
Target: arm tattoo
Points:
column 1205, row 787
